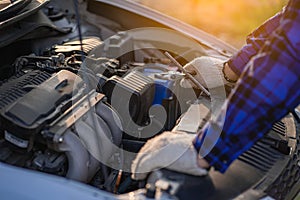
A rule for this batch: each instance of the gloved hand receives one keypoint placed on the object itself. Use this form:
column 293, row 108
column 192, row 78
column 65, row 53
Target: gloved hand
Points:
column 171, row 150
column 207, row 70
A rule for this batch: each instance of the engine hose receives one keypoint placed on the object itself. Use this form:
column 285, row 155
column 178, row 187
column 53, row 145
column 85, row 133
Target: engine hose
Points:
column 112, row 120
column 77, row 155
column 94, row 166
column 82, row 163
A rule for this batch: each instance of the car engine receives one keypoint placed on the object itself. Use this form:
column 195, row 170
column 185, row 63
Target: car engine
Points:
column 58, row 100
column 46, row 99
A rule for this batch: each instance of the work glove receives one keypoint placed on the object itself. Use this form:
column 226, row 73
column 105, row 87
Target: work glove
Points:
column 206, row 70
column 170, row 150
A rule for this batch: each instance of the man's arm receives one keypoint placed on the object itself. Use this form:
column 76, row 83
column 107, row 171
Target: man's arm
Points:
column 233, row 68
column 266, row 92
column 255, row 40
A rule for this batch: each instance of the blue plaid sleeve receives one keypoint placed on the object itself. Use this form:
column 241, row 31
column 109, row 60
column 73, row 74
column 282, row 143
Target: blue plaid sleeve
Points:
column 267, row 90
column 255, row 41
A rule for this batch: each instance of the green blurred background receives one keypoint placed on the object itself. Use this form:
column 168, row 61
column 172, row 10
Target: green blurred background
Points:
column 229, row 20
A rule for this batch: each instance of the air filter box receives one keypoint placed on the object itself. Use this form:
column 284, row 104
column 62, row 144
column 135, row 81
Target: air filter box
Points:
column 131, row 95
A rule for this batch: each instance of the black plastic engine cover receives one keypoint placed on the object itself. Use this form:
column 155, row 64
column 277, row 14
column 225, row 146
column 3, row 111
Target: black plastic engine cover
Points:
column 133, row 89
column 29, row 114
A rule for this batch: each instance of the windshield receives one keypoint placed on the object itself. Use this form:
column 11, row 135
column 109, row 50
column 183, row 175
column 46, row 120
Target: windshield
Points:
column 231, row 22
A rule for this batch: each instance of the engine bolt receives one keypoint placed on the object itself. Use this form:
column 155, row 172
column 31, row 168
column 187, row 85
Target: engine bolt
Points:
column 60, row 140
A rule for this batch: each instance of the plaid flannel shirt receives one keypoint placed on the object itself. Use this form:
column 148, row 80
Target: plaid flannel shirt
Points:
column 267, row 90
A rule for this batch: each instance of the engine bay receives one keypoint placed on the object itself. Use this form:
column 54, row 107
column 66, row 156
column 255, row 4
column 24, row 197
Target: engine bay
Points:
column 81, row 106
column 57, row 102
